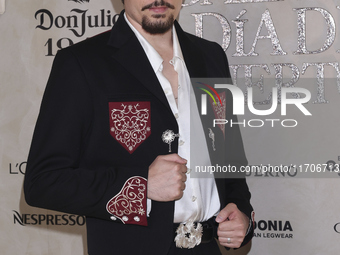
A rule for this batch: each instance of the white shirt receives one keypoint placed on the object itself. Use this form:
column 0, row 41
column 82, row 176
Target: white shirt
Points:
column 200, row 200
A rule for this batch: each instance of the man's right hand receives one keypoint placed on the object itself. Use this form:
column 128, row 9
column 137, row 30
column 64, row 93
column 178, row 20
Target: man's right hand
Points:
column 167, row 177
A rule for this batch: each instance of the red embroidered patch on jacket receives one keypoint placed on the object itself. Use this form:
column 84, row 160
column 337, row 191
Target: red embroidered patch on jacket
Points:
column 130, row 123
column 129, row 205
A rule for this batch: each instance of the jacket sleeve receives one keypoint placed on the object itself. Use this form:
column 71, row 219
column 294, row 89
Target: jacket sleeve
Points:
column 55, row 177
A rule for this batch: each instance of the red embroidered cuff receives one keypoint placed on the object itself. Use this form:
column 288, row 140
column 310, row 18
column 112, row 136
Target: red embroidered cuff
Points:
column 129, row 205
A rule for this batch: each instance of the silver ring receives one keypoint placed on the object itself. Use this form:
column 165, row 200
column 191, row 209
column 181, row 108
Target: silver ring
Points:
column 228, row 240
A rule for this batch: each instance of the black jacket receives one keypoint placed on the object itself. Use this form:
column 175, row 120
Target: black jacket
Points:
column 76, row 166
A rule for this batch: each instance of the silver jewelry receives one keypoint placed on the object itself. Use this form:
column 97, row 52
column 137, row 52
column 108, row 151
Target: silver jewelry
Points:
column 187, row 236
column 228, row 240
column 168, row 137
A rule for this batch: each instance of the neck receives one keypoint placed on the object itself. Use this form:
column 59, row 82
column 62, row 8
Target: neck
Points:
column 159, row 41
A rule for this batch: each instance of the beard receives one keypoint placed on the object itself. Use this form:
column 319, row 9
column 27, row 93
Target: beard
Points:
column 158, row 26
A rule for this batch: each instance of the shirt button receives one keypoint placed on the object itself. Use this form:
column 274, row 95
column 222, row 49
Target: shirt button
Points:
column 193, row 198
column 176, row 115
column 181, row 142
column 179, row 86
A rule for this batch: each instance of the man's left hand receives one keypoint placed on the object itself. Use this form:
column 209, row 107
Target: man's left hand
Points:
column 233, row 225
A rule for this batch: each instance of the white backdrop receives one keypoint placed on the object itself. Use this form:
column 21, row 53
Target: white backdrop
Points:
column 269, row 43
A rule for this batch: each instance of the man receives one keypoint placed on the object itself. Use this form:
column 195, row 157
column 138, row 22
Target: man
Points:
column 112, row 141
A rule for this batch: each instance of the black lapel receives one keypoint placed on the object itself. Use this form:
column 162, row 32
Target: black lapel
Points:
column 131, row 56
column 192, row 54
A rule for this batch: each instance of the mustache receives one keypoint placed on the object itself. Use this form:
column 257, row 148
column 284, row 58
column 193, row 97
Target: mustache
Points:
column 158, row 3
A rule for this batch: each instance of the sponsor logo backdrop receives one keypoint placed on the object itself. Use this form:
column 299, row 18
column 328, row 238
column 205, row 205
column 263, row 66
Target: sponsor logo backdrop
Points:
column 269, row 43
